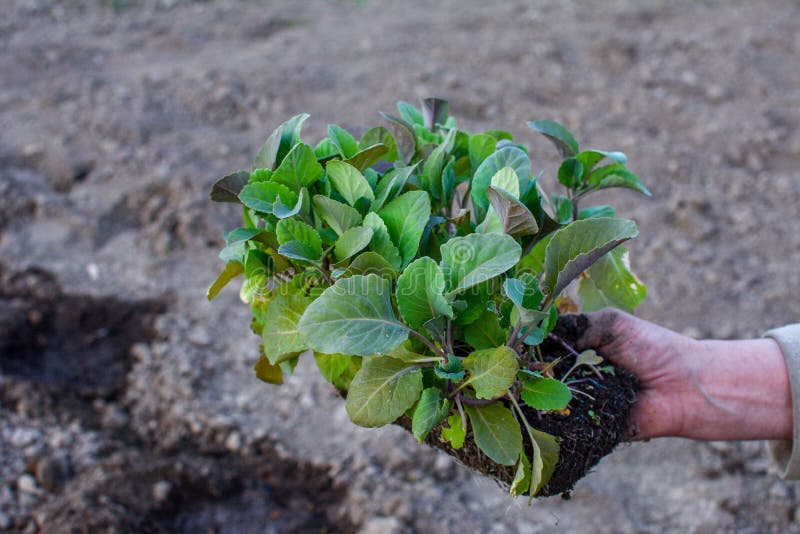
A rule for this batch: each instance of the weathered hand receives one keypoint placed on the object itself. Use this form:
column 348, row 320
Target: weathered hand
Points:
column 716, row 390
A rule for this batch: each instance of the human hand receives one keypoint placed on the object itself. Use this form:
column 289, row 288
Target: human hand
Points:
column 715, row 390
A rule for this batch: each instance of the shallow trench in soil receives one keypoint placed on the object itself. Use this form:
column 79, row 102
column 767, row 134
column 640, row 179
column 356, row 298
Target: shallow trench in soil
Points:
column 62, row 357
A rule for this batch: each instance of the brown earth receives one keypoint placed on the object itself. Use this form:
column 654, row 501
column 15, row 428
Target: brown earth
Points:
column 117, row 115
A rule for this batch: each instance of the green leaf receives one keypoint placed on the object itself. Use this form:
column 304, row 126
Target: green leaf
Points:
column 372, row 263
column 232, row 270
column 485, row 332
column 381, row 241
column 516, row 219
column 452, row 370
column 227, row 188
column 354, row 316
column 595, row 212
column 367, row 157
column 351, row 242
column 430, row 411
column 575, row 248
column 481, row 146
column 331, row 366
column 471, row 304
column 496, row 432
column 260, row 175
column 282, row 339
column 610, row 282
column 265, row 371
column 474, row 258
column 299, row 169
column 410, row 113
column 545, row 458
column 382, row 391
column 405, row 218
column 390, row 186
column 435, row 163
column 545, row 394
column 505, row 157
column 420, row 293
column 491, row 371
column 241, row 235
column 524, row 292
column 282, row 211
column 616, row 175
column 261, row 196
column 279, row 143
column 454, row 433
column 570, row 173
column 325, row 149
column 522, row 478
column 564, row 209
column 562, row 138
column 338, row 216
column 342, row 140
column 380, row 136
column 349, row 182
column 298, row 240
column 590, row 158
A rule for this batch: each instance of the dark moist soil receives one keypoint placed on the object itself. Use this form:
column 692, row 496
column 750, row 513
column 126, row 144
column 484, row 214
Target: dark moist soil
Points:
column 584, row 438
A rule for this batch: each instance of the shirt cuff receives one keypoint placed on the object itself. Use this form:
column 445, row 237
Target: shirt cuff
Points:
column 787, row 453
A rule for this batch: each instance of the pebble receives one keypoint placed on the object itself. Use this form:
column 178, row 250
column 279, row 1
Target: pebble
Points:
column 27, row 484
column 233, row 442
column 382, row 525
column 200, row 336
column 161, row 491
column 22, row 437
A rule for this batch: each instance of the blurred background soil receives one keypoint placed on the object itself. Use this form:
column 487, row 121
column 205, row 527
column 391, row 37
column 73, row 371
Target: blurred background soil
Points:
column 128, row 403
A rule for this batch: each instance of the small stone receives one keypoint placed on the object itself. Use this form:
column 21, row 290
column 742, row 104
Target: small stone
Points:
column 443, row 464
column 114, row 417
column 161, row 491
column 234, row 442
column 27, row 484
column 382, row 525
column 200, row 336
column 22, row 437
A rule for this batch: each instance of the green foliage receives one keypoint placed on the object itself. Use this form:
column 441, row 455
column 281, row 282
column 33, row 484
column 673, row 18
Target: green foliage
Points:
column 382, row 390
column 496, row 432
column 421, row 264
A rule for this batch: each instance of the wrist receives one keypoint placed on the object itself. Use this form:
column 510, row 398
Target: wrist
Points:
column 741, row 391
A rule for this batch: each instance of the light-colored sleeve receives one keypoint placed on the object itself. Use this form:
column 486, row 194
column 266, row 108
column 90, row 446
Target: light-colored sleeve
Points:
column 787, row 453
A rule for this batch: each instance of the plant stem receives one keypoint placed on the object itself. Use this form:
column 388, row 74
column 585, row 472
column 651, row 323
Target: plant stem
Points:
column 475, row 402
column 512, row 339
column 461, row 411
column 427, row 343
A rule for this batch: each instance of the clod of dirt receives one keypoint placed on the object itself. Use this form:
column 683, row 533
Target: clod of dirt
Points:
column 592, row 429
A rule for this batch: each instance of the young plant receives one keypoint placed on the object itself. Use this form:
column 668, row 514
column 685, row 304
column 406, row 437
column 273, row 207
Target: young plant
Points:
column 423, row 266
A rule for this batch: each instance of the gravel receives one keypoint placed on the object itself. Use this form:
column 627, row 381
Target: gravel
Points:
column 115, row 123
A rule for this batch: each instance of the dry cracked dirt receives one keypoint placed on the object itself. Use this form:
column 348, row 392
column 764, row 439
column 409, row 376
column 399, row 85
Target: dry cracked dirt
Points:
column 128, row 403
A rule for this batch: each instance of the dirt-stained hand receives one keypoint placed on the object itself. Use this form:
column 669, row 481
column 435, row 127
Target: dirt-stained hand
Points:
column 708, row 389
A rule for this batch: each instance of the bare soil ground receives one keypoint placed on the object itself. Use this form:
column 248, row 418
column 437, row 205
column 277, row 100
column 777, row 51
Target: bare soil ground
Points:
column 127, row 402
